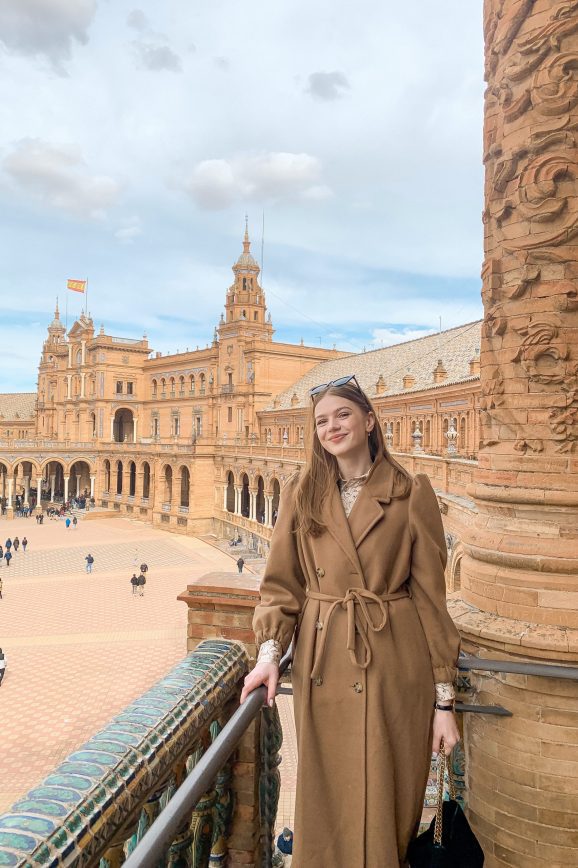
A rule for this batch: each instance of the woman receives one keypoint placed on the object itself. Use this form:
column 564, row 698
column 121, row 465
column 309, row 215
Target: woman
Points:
column 356, row 571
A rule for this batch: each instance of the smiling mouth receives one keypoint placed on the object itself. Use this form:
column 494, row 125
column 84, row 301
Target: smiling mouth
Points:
column 338, row 437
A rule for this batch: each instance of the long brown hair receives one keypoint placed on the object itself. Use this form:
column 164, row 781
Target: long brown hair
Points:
column 321, row 471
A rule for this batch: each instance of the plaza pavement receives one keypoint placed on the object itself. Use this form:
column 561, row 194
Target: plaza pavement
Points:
column 80, row 647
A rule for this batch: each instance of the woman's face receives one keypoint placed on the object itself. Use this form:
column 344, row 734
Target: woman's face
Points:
column 342, row 426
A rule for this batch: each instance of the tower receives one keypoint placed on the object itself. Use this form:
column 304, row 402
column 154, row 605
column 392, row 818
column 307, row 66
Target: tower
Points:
column 245, row 307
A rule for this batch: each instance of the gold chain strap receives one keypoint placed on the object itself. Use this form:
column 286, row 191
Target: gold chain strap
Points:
column 444, row 765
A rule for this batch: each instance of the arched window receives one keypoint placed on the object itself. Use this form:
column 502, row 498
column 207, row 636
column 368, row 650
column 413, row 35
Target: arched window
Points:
column 155, row 385
column 192, row 384
column 163, row 387
column 202, row 384
column 146, row 479
column 275, row 501
column 260, row 501
column 107, row 475
column 256, row 316
column 230, row 492
column 168, row 486
column 181, row 386
column 185, row 486
column 245, row 497
column 132, row 479
column 119, row 477
column 172, row 381
column 463, row 433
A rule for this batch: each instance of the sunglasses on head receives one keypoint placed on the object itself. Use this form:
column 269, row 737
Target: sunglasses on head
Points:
column 342, row 381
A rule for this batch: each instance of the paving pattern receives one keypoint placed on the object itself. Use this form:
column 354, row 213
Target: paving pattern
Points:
column 81, row 647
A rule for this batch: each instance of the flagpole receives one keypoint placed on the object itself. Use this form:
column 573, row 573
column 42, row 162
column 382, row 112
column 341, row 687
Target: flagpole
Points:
column 66, row 316
column 86, row 300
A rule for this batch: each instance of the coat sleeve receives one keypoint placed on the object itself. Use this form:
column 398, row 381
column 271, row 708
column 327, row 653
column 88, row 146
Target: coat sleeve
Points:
column 282, row 588
column 427, row 580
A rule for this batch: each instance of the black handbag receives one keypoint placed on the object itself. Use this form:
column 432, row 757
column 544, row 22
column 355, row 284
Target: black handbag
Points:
column 449, row 842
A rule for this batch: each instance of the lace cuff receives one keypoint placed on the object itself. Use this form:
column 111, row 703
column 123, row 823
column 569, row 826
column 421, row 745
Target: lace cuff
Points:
column 270, row 652
column 445, row 692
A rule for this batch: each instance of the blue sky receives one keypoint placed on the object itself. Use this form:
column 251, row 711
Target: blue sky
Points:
column 134, row 137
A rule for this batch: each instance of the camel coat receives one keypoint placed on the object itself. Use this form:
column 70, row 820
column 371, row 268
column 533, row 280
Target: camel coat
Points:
column 366, row 601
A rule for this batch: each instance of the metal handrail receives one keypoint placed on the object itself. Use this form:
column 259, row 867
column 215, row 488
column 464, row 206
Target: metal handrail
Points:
column 543, row 670
column 153, row 845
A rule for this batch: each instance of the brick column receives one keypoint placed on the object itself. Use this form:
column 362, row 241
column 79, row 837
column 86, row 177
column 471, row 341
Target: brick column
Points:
column 521, row 553
column 222, row 607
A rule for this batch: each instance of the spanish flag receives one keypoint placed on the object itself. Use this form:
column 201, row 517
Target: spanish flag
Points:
column 76, row 285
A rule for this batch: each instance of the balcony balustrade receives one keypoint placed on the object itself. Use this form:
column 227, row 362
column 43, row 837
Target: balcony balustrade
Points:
column 173, row 744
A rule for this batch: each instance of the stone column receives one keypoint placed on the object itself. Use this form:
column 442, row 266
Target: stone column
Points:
column 225, row 487
column 238, row 492
column 9, row 507
column 520, row 558
column 78, row 478
column 112, row 427
column 92, row 479
column 82, row 376
column 52, row 486
column 26, row 480
column 252, row 504
column 66, row 481
column 268, row 510
column 39, row 493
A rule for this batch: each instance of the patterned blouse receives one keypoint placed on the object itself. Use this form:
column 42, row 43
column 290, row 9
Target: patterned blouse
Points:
column 270, row 651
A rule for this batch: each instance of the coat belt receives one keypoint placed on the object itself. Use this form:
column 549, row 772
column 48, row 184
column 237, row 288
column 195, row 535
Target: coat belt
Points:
column 356, row 603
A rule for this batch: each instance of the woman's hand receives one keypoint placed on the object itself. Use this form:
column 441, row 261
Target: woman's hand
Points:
column 263, row 673
column 446, row 727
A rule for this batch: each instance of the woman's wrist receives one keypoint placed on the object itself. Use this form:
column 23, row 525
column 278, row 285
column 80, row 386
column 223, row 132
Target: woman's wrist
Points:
column 270, row 652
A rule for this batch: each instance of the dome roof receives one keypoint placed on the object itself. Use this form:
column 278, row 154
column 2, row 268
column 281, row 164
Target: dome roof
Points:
column 246, row 259
column 56, row 325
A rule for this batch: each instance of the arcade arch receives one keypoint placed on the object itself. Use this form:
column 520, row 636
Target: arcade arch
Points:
column 185, row 486
column 123, row 426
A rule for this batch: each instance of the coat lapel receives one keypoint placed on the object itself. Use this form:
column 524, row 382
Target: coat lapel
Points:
column 368, row 509
column 338, row 526
column 366, row 513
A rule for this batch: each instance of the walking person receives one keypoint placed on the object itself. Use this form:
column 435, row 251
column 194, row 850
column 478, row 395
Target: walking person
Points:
column 144, row 569
column 134, row 583
column 67, row 523
column 240, row 565
column 141, row 583
column 8, row 544
column 89, row 562
column 8, row 557
column 2, row 666
column 24, row 543
column 74, row 523
column 16, row 543
column 357, row 566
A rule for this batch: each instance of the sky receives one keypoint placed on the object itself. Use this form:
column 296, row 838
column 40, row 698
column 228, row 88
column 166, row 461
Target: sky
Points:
column 135, row 136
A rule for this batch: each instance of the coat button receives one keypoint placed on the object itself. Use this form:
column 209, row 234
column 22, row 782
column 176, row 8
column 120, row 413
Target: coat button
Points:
column 320, row 572
column 318, row 681
column 358, row 687
column 318, row 625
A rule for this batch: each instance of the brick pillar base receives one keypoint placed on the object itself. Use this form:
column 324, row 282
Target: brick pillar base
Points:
column 221, row 607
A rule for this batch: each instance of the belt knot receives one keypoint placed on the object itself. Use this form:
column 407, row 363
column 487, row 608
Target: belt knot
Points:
column 357, row 603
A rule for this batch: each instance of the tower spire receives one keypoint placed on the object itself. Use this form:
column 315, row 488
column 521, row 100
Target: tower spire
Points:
column 246, row 242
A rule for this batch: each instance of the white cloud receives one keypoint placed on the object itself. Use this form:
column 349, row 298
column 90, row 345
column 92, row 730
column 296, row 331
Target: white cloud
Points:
column 45, row 27
column 130, row 229
column 327, row 86
column 157, row 58
column 217, row 184
column 58, row 176
column 386, row 337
